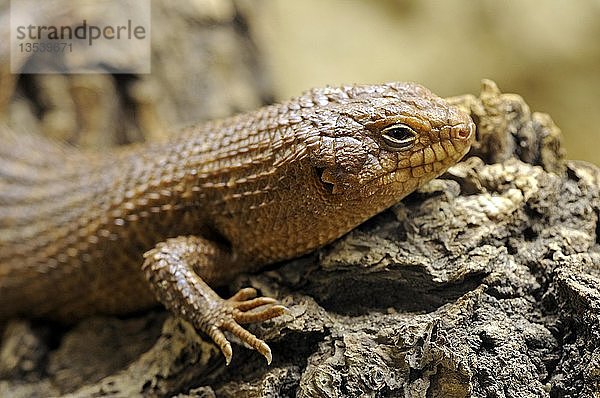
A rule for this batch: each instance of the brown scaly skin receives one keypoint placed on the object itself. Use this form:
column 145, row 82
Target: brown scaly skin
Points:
column 219, row 199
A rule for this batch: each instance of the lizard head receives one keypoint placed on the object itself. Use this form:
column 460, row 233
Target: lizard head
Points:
column 384, row 140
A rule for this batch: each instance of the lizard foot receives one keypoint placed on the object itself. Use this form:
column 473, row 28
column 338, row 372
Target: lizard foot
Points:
column 233, row 312
column 173, row 269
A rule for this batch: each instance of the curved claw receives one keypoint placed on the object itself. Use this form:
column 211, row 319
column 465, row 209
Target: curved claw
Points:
column 220, row 340
column 249, row 339
column 265, row 351
column 234, row 312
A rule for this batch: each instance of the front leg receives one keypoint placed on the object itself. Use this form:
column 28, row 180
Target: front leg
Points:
column 175, row 269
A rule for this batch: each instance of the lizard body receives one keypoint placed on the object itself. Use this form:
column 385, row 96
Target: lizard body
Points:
column 83, row 233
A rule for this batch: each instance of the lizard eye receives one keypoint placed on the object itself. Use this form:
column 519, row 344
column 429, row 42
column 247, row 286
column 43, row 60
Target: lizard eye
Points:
column 399, row 136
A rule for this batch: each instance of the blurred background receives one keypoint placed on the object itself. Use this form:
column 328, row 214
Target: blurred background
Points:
column 212, row 58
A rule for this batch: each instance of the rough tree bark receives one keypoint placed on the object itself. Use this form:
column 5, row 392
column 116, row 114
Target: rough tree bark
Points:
column 485, row 282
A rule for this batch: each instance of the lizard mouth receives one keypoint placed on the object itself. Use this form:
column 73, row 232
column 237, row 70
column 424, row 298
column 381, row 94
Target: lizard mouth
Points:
column 429, row 162
column 452, row 144
column 434, row 159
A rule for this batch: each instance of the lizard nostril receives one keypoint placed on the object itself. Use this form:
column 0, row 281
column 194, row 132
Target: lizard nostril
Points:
column 467, row 131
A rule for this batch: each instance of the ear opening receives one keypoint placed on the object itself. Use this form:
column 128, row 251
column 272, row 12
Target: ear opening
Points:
column 329, row 187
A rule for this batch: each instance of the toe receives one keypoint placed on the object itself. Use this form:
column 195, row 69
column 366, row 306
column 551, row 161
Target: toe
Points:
column 253, row 317
column 221, row 341
column 254, row 303
column 244, row 294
